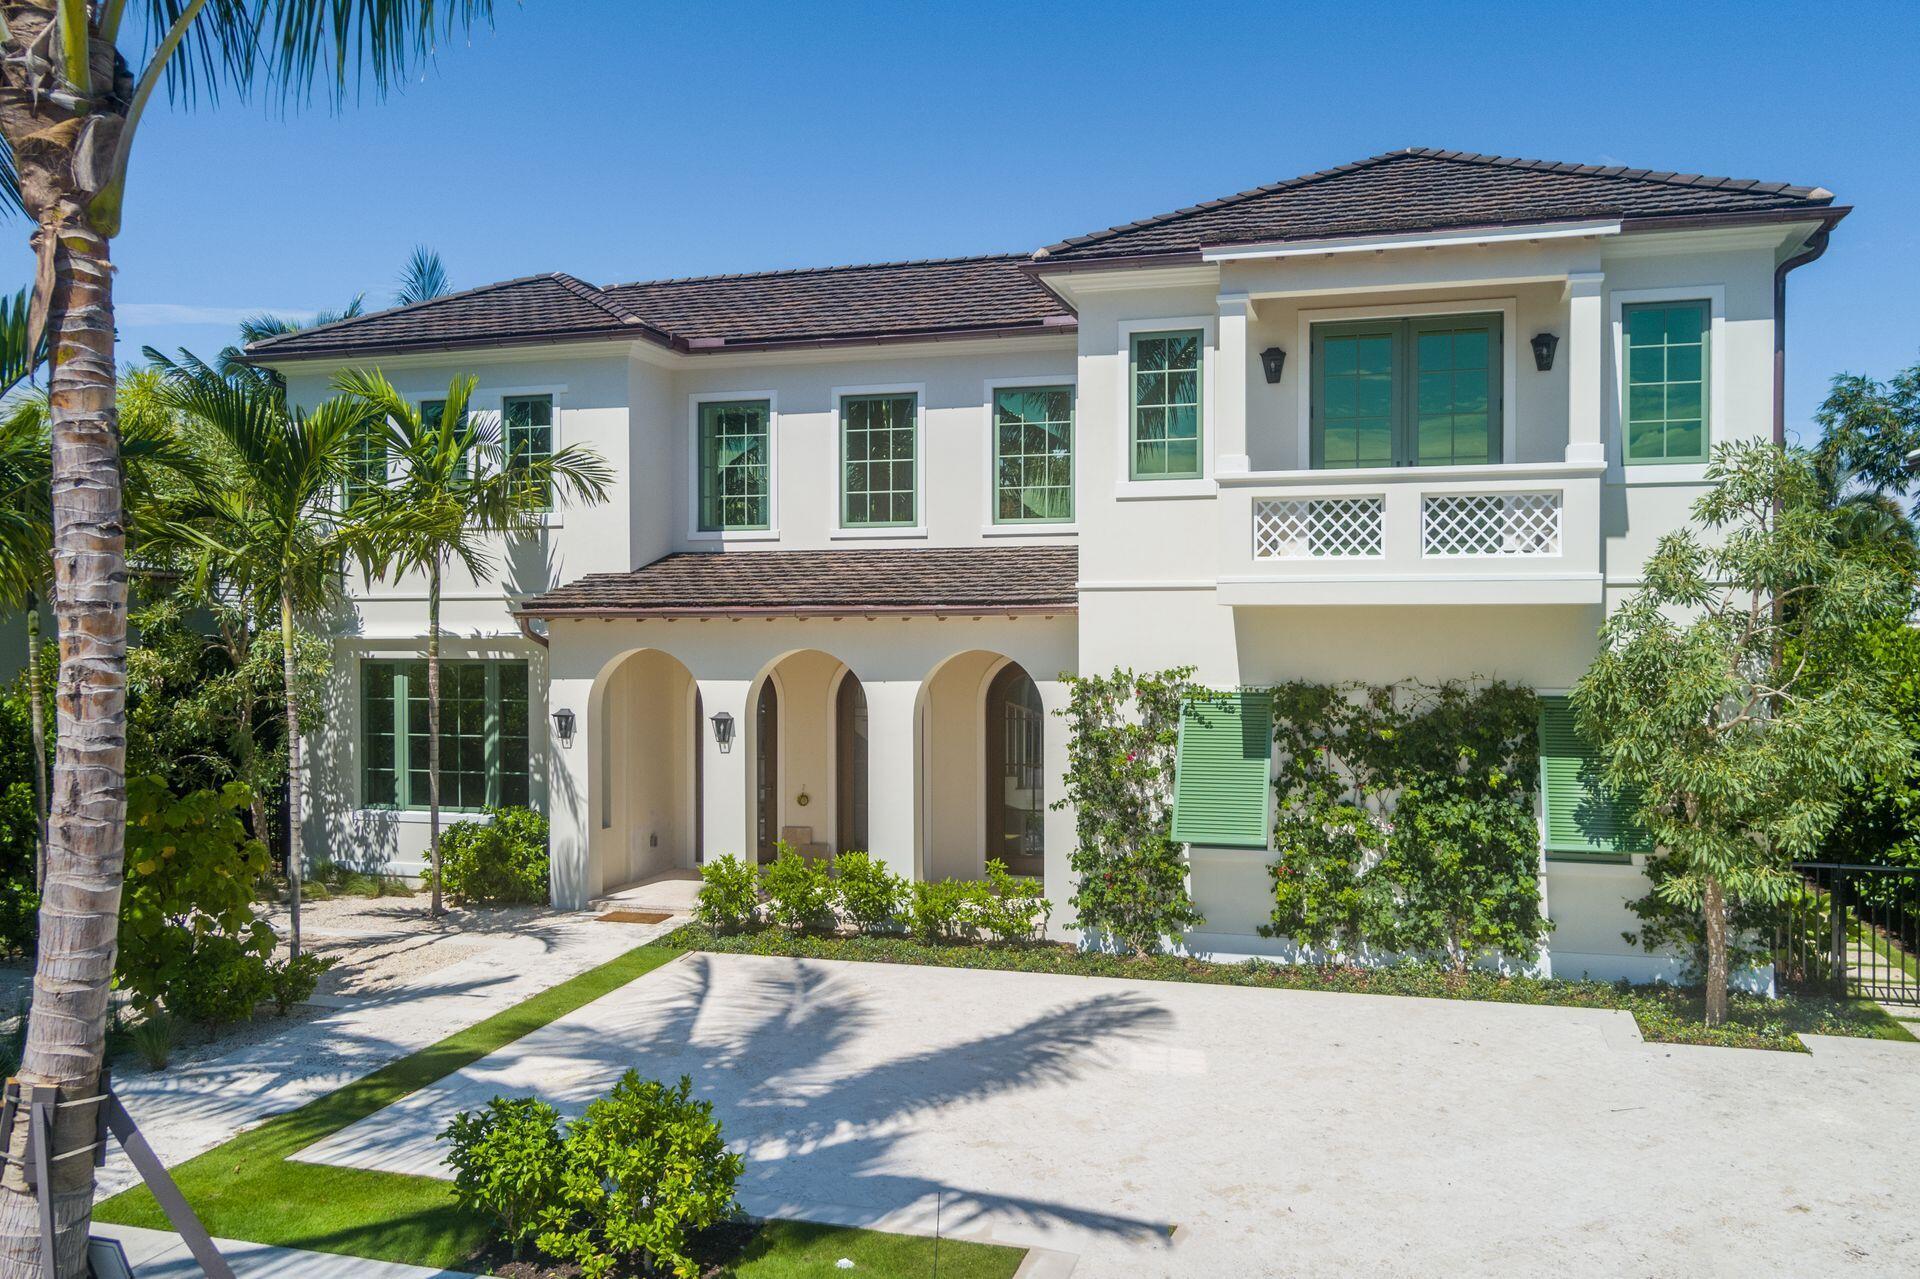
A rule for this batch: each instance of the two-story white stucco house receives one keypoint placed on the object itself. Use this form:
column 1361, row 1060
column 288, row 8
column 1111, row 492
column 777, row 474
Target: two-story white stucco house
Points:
column 1421, row 416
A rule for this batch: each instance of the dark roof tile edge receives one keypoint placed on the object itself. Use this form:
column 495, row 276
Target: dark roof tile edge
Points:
column 557, row 277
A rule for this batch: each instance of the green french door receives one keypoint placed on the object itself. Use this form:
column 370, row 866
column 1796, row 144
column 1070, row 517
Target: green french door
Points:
column 1418, row 391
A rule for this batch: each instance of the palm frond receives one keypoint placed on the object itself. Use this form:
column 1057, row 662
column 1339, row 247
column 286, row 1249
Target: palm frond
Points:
column 348, row 45
column 422, row 279
column 17, row 363
column 10, row 201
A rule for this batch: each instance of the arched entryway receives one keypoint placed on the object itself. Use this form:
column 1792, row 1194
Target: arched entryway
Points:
column 643, row 737
column 1016, row 801
column 793, row 714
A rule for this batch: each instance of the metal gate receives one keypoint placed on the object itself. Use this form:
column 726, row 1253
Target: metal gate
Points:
column 1852, row 930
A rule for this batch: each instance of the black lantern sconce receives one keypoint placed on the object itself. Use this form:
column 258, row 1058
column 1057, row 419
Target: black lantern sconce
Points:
column 1272, row 361
column 1543, row 348
column 563, row 726
column 723, row 731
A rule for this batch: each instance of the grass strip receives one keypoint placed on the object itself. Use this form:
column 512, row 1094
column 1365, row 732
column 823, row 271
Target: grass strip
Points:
column 1665, row 1014
column 249, row 1189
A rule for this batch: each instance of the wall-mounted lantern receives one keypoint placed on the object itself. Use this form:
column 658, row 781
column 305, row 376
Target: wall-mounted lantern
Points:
column 563, row 726
column 1272, row 361
column 723, row 731
column 1543, row 347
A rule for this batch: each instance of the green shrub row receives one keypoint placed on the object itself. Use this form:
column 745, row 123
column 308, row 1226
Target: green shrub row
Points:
column 622, row 1188
column 857, row 891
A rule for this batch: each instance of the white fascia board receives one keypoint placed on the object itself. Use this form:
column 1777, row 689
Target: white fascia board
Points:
column 1425, row 240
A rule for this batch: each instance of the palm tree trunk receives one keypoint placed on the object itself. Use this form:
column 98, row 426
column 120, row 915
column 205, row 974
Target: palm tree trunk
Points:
column 295, row 844
column 86, row 830
column 433, row 731
column 37, row 710
column 1714, row 902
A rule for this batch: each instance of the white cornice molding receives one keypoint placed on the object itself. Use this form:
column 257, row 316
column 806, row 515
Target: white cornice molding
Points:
column 1397, row 242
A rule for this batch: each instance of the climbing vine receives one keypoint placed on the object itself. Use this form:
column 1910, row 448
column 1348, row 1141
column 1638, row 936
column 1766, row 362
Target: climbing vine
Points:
column 1131, row 876
column 1405, row 820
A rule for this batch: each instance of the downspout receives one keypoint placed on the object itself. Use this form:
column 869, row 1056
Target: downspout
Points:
column 525, row 622
column 1816, row 245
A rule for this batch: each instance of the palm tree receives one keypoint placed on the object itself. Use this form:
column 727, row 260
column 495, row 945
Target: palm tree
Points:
column 75, row 80
column 457, row 487
column 423, row 279
column 272, row 537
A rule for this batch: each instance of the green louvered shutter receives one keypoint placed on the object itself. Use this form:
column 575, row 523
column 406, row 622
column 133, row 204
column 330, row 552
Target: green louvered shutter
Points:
column 1583, row 818
column 1220, row 779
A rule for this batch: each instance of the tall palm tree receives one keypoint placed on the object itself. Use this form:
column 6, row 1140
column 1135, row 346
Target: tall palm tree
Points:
column 76, row 77
column 457, row 488
column 272, row 536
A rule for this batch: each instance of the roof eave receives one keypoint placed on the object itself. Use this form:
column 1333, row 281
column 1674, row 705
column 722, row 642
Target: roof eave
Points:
column 724, row 611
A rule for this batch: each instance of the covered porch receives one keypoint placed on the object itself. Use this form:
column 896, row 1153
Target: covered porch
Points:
column 876, row 701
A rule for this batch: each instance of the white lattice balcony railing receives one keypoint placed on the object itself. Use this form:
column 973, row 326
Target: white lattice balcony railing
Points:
column 1319, row 528
column 1490, row 524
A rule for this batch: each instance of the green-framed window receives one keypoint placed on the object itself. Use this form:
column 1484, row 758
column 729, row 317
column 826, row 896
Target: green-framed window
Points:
column 879, row 460
column 484, row 742
column 366, row 460
column 527, row 432
column 735, row 465
column 1583, row 819
column 1667, row 361
column 1164, row 436
column 1033, row 455
column 1418, row 391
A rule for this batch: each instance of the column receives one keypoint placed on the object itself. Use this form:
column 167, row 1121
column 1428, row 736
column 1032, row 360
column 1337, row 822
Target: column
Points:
column 1585, row 355
column 569, row 794
column 1057, row 876
column 1230, row 386
column 726, row 776
column 893, row 773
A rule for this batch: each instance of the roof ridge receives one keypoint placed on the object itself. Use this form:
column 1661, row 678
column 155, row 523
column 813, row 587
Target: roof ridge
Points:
column 593, row 296
column 557, row 277
column 1669, row 177
column 819, row 270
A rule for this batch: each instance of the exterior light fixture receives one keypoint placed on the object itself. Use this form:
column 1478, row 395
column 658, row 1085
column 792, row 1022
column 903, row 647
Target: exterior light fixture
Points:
column 1543, row 347
column 1272, row 360
column 723, row 731
column 563, row 725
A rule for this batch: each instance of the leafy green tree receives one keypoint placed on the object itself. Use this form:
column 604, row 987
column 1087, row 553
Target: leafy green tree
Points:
column 1132, row 877
column 1864, row 461
column 78, row 78
column 458, row 491
column 1740, row 758
column 273, row 536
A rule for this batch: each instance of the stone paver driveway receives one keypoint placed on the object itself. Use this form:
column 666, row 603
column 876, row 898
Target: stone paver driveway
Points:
column 1163, row 1129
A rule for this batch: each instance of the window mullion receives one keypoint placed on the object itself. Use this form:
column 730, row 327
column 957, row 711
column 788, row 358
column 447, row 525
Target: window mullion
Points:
column 402, row 738
column 490, row 740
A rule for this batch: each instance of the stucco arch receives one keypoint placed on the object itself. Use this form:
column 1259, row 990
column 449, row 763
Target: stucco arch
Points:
column 643, row 805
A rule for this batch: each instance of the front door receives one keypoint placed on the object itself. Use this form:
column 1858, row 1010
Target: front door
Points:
column 766, row 769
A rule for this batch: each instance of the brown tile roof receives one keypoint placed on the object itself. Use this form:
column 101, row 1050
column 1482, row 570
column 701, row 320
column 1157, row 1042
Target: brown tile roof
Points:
column 984, row 579
column 1424, row 189
column 953, row 297
column 892, row 299
column 1415, row 189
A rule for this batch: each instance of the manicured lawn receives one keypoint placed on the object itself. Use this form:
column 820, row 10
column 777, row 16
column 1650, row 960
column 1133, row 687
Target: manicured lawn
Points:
column 1665, row 1014
column 248, row 1189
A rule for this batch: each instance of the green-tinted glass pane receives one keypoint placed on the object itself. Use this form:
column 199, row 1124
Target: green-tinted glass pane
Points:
column 1667, row 382
column 1647, row 364
column 1435, row 351
column 1375, row 355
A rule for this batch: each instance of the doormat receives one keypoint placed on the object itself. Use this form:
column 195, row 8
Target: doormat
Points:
column 635, row 917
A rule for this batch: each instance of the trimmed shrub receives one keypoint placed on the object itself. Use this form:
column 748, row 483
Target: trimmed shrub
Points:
column 949, row 910
column 644, row 1168
column 873, row 897
column 507, row 1160
column 292, row 981
column 500, row 862
column 221, row 981
column 800, row 893
column 1014, row 910
column 729, row 898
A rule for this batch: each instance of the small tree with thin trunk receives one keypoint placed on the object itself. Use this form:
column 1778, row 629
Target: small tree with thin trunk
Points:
column 457, row 490
column 1740, row 758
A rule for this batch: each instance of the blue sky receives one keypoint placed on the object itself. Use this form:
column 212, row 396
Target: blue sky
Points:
column 623, row 139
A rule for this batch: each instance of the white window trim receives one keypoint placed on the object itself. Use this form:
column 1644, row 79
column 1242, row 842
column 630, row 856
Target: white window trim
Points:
column 1125, row 487
column 989, row 526
column 1507, row 308
column 695, row 533
column 835, row 478
column 1619, row 470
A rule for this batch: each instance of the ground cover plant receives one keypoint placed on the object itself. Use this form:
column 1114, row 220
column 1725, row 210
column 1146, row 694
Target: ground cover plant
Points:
column 1665, row 1014
column 249, row 1189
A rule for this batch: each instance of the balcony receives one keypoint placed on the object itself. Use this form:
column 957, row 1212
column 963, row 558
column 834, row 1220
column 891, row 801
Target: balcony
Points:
column 1522, row 534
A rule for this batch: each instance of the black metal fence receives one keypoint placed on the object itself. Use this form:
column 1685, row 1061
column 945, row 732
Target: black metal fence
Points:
column 1852, row 930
